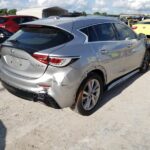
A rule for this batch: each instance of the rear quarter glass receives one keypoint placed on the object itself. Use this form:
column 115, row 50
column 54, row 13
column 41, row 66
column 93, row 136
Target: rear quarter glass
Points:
column 40, row 37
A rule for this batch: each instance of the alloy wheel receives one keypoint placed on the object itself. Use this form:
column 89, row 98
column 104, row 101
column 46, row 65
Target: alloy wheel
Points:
column 90, row 95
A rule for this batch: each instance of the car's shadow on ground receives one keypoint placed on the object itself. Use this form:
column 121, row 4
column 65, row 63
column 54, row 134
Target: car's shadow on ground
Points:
column 109, row 95
column 2, row 89
column 3, row 132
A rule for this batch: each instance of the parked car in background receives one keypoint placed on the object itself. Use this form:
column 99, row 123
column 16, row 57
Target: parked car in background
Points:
column 11, row 23
column 142, row 27
column 4, row 35
column 68, row 62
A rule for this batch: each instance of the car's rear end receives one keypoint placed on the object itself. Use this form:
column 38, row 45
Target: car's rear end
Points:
column 12, row 23
column 28, row 70
column 7, row 23
column 3, row 22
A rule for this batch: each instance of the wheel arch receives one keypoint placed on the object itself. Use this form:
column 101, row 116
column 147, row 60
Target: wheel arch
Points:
column 100, row 72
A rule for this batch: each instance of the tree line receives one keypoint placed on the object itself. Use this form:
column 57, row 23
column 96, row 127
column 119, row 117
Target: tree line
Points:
column 13, row 12
column 84, row 13
column 8, row 11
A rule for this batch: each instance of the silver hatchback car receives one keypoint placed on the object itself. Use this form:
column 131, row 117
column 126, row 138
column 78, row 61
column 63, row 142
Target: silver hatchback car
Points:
column 68, row 62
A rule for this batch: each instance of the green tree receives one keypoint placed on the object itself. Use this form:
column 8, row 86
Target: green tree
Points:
column 3, row 11
column 97, row 13
column 12, row 12
column 84, row 13
column 100, row 14
column 104, row 14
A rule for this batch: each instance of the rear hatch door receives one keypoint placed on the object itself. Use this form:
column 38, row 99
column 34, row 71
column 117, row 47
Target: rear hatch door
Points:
column 21, row 63
column 17, row 52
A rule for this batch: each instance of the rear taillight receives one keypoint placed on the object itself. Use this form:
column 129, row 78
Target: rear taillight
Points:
column 54, row 61
column 3, row 26
column 43, row 58
column 134, row 27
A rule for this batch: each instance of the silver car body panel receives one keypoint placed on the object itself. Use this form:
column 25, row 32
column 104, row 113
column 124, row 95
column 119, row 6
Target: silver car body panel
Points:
column 113, row 58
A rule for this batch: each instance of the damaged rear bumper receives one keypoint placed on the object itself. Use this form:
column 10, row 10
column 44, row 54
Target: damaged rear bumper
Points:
column 36, row 97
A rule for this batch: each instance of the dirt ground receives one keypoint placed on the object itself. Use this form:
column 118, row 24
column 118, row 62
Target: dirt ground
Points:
column 121, row 123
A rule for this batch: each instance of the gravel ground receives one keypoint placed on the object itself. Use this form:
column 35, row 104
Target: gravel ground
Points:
column 121, row 123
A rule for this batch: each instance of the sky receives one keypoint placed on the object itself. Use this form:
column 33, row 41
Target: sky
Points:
column 109, row 6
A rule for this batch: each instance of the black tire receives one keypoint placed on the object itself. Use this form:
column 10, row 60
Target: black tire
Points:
column 79, row 101
column 145, row 64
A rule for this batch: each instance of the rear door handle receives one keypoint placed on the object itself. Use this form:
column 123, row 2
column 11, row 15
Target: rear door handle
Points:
column 103, row 51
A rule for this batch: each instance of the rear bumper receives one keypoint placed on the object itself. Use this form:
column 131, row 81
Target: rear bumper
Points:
column 62, row 86
column 42, row 97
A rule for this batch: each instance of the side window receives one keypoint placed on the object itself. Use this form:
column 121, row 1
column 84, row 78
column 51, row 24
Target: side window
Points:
column 17, row 20
column 28, row 19
column 24, row 19
column 91, row 33
column 20, row 20
column 101, row 32
column 85, row 31
column 32, row 18
column 105, row 32
column 124, row 32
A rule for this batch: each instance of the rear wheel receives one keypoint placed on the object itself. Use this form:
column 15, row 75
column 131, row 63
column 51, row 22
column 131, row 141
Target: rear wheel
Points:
column 89, row 94
column 145, row 65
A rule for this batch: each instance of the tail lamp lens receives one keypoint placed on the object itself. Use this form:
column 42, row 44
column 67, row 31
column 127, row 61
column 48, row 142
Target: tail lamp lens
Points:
column 53, row 61
column 43, row 58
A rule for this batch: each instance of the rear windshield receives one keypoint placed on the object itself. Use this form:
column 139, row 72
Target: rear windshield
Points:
column 3, row 20
column 40, row 37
